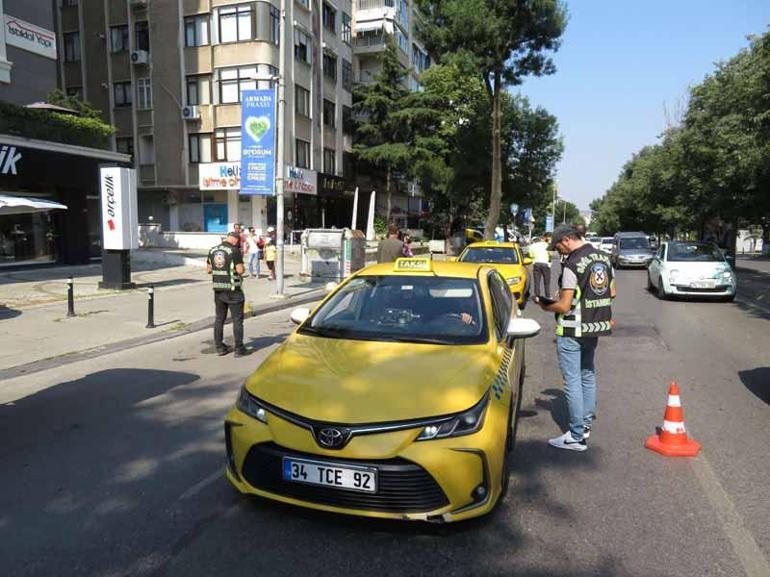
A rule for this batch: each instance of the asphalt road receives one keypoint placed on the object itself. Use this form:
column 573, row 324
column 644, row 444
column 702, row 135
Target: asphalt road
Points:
column 113, row 466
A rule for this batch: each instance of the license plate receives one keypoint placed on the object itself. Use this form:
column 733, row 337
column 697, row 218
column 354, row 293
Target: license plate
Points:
column 330, row 475
column 703, row 284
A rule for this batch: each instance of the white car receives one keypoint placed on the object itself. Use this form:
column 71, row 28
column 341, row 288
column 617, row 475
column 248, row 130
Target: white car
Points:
column 694, row 269
column 605, row 245
column 594, row 241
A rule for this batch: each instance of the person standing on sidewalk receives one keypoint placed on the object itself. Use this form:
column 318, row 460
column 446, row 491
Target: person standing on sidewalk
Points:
column 254, row 251
column 583, row 314
column 270, row 253
column 225, row 264
column 390, row 248
column 541, row 267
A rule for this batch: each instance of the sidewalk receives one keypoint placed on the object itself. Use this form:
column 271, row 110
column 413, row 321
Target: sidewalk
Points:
column 33, row 308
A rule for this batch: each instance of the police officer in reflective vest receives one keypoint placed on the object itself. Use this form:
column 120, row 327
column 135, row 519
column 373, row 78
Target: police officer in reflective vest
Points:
column 583, row 314
column 225, row 265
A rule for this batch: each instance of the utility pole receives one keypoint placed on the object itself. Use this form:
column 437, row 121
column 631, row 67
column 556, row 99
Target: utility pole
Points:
column 279, row 175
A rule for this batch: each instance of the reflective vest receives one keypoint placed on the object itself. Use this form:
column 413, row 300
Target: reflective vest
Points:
column 591, row 312
column 223, row 271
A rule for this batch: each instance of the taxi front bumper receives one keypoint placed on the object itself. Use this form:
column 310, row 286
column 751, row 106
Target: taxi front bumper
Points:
column 438, row 480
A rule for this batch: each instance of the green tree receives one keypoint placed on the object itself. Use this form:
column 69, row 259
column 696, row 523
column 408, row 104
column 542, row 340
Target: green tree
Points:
column 381, row 135
column 501, row 42
column 84, row 109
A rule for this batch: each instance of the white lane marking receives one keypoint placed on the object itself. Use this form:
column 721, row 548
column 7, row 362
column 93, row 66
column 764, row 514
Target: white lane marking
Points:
column 199, row 486
column 745, row 547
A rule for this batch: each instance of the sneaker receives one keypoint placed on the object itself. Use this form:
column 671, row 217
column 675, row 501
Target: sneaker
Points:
column 223, row 350
column 567, row 441
column 241, row 352
column 586, row 431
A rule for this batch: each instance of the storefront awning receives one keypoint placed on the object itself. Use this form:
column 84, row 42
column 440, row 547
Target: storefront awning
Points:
column 369, row 26
column 26, row 204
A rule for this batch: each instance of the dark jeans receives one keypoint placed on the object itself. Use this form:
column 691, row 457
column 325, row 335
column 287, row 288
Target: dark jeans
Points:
column 234, row 301
column 541, row 270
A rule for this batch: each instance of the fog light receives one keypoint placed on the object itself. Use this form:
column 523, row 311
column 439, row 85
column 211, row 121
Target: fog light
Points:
column 261, row 415
column 479, row 493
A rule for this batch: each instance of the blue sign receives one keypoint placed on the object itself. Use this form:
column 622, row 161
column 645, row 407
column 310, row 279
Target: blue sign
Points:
column 549, row 223
column 527, row 215
column 258, row 142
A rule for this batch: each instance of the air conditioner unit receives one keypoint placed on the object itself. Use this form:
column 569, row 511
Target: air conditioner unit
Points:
column 190, row 112
column 139, row 56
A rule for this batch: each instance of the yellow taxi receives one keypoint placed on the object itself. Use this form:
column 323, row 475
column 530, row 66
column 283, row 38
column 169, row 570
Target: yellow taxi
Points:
column 507, row 259
column 395, row 398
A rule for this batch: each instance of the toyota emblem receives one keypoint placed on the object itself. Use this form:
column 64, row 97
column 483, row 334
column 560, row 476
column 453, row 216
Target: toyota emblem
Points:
column 332, row 437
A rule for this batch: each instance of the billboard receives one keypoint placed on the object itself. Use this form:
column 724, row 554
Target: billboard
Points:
column 119, row 211
column 549, row 223
column 301, row 180
column 258, row 132
column 219, row 176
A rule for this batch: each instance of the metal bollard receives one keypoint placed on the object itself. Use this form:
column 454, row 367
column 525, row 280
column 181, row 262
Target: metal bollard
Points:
column 70, row 297
column 150, row 308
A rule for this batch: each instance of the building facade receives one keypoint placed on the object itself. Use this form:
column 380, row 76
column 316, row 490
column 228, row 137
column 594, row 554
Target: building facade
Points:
column 375, row 22
column 168, row 74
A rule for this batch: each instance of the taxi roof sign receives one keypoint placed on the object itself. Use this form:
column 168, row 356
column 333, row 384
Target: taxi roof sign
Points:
column 413, row 265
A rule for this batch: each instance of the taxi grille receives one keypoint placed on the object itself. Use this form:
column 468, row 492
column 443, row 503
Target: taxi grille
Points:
column 402, row 486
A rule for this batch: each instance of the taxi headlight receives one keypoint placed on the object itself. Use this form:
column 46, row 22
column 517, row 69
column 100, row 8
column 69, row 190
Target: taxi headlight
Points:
column 246, row 403
column 513, row 280
column 727, row 275
column 465, row 423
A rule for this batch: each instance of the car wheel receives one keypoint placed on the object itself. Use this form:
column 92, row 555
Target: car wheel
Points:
column 728, row 298
column 650, row 286
column 661, row 290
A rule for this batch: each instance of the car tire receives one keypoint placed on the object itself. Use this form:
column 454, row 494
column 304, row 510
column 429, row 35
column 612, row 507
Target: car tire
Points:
column 728, row 298
column 650, row 286
column 661, row 290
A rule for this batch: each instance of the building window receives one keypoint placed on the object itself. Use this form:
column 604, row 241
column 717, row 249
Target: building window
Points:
column 329, row 113
column 302, row 100
column 198, row 90
column 330, row 66
column 227, row 144
column 235, row 23
column 234, row 80
column 118, row 38
column 71, row 46
column 146, row 150
column 143, row 94
column 200, row 148
column 304, row 3
column 329, row 17
column 302, row 46
column 330, row 161
column 403, row 43
column 347, row 120
column 347, row 75
column 122, row 94
column 275, row 25
column 303, row 154
column 142, row 35
column 196, row 30
column 346, row 28
column 125, row 145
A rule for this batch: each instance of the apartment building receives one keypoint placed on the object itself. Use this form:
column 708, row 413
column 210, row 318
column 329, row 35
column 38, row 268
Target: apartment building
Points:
column 169, row 75
column 376, row 21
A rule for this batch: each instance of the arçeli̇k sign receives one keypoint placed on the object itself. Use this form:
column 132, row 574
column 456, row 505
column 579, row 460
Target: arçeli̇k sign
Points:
column 119, row 208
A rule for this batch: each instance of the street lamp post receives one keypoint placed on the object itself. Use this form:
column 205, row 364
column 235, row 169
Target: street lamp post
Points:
column 279, row 175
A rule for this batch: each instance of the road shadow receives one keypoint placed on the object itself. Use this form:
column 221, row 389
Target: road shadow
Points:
column 758, row 382
column 170, row 282
column 555, row 402
column 8, row 313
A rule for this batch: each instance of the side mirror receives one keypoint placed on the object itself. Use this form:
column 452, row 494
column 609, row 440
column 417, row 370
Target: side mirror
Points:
column 527, row 261
column 330, row 286
column 300, row 315
column 521, row 328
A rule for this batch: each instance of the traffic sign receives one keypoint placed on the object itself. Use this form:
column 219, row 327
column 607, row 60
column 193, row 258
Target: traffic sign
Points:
column 549, row 223
column 514, row 208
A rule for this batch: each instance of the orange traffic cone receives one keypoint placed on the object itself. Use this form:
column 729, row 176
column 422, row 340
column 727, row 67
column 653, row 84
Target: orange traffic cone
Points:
column 673, row 440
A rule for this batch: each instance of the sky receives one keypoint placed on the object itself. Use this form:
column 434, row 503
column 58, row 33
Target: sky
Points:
column 621, row 65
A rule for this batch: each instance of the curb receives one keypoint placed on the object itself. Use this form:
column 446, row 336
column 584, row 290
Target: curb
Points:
column 310, row 296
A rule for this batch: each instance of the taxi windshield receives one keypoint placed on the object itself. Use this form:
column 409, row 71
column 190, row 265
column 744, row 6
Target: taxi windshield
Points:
column 418, row 309
column 495, row 254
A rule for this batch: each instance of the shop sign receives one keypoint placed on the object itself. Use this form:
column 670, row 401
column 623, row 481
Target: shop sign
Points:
column 22, row 34
column 301, row 180
column 258, row 142
column 119, row 209
column 332, row 185
column 219, row 176
column 8, row 159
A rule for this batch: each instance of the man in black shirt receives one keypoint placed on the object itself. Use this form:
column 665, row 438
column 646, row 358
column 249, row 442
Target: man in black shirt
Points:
column 225, row 264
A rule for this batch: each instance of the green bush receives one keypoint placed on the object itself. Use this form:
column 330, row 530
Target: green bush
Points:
column 380, row 225
column 54, row 126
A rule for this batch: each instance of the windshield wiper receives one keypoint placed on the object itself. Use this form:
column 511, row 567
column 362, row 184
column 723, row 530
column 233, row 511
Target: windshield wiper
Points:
column 411, row 339
column 331, row 332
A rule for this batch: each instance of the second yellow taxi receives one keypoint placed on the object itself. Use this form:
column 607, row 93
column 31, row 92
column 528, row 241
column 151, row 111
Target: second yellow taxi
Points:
column 507, row 259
